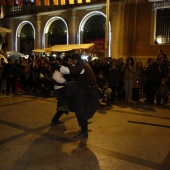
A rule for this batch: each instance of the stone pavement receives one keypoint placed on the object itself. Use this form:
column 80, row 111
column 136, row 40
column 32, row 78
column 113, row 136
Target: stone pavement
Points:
column 121, row 137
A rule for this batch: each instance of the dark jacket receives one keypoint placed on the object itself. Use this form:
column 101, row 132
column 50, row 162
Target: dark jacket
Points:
column 87, row 78
column 83, row 93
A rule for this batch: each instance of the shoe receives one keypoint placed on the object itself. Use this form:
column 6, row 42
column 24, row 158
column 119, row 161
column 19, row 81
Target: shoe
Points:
column 81, row 135
column 56, row 123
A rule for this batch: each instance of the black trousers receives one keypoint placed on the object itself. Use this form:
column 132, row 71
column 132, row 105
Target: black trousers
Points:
column 61, row 106
column 83, row 124
column 135, row 94
column 57, row 116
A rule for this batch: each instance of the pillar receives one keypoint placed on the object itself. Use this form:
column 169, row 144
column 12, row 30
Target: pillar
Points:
column 11, row 37
column 115, row 29
column 72, row 28
column 38, row 34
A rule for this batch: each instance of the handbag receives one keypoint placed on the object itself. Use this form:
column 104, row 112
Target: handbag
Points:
column 136, row 84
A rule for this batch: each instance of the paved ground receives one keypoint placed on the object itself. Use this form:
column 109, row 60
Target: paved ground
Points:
column 121, row 137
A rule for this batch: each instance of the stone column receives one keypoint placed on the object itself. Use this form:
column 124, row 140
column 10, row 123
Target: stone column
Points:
column 72, row 28
column 46, row 40
column 115, row 29
column 11, row 37
column 38, row 34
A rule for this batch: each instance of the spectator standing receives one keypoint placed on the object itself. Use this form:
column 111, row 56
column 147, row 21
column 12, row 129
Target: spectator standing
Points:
column 120, row 87
column 34, row 75
column 1, row 72
column 138, row 82
column 162, row 92
column 94, row 66
column 129, row 76
column 153, row 79
column 164, row 66
column 18, row 85
column 160, row 52
column 3, row 78
column 10, row 73
column 114, row 79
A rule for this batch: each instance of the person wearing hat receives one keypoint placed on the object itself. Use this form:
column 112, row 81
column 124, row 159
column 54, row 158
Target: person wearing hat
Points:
column 83, row 93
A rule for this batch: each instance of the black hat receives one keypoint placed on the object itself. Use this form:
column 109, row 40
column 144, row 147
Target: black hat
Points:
column 76, row 56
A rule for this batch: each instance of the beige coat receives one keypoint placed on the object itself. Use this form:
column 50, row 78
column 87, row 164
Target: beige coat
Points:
column 129, row 72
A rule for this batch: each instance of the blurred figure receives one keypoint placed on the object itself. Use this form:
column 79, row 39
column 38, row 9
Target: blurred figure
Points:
column 138, row 82
column 162, row 92
column 120, row 87
column 114, row 79
column 18, row 85
column 160, row 52
column 153, row 78
column 3, row 78
column 129, row 77
column 10, row 73
column 104, row 90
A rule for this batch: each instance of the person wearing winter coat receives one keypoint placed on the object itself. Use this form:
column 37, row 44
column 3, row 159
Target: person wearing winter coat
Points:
column 129, row 77
column 162, row 92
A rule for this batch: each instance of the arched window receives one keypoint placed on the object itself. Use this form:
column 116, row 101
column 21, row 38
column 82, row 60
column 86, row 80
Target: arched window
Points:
column 27, row 39
column 94, row 31
column 57, row 33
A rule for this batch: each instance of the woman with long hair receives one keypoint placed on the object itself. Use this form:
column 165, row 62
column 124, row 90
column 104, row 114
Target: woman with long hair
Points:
column 129, row 77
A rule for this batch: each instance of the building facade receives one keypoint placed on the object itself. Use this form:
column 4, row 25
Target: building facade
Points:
column 121, row 28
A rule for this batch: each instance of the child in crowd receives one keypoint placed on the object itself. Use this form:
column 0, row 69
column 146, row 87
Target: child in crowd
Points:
column 18, row 86
column 162, row 92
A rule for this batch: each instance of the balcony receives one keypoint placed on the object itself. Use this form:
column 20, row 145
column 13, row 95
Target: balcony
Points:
column 31, row 8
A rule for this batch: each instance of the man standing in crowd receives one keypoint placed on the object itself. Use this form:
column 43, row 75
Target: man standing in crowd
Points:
column 10, row 73
column 83, row 93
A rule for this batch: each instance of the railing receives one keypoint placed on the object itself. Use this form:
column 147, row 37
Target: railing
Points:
column 31, row 8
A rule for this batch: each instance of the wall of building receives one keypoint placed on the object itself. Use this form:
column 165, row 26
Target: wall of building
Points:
column 138, row 32
column 132, row 27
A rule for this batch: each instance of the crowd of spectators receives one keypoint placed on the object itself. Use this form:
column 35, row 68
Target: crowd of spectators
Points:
column 124, row 80
column 27, row 76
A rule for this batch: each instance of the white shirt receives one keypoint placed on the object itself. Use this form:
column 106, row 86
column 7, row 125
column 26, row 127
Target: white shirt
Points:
column 58, row 77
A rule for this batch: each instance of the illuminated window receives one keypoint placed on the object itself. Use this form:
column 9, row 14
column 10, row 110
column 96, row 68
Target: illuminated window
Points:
column 71, row 1
column 162, row 35
column 63, row 2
